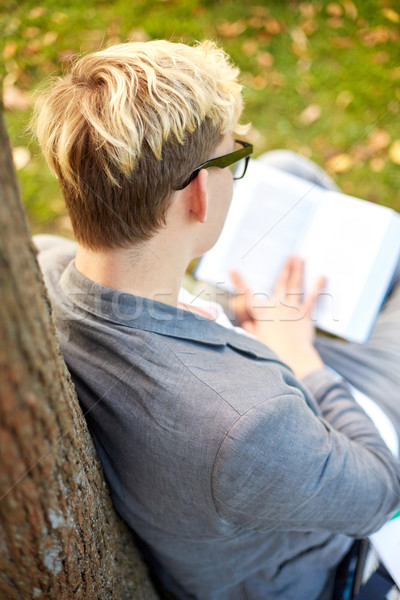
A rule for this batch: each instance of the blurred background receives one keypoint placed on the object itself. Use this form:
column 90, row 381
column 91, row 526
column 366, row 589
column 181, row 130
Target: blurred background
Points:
column 321, row 78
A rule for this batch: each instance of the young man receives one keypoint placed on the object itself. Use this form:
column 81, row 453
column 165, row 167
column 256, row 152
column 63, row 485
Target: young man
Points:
column 246, row 466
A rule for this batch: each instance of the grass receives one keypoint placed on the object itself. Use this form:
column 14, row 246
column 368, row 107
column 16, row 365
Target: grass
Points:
column 322, row 78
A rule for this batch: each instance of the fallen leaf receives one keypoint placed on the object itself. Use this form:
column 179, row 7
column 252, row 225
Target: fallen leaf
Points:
column 391, row 14
column 377, row 164
column 378, row 35
column 380, row 58
column 360, row 153
column 304, row 64
column 310, row 114
column 265, row 59
column 394, row 152
column 37, row 11
column 343, row 42
column 256, row 22
column 49, row 38
column 32, row 48
column 250, row 47
column 30, row 32
column 300, row 41
column 340, row 163
column 277, row 79
column 21, row 157
column 9, row 49
column 350, row 9
column 305, row 151
column 378, row 139
column 308, row 10
column 394, row 73
column 259, row 82
column 231, row 29
column 334, row 10
column 335, row 22
column 273, row 26
column 259, row 11
column 16, row 99
column 59, row 18
column 308, row 27
column 344, row 98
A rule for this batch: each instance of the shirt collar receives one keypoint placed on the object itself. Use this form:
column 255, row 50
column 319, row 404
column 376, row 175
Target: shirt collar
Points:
column 82, row 296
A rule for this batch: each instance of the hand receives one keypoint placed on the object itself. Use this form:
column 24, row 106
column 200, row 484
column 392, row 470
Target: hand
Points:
column 284, row 322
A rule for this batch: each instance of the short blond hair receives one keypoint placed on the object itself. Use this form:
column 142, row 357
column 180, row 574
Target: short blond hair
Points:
column 129, row 124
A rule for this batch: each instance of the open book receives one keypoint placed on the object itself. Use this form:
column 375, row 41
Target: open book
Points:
column 355, row 244
column 386, row 542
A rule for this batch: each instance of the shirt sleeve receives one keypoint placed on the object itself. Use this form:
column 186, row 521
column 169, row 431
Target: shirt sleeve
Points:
column 281, row 466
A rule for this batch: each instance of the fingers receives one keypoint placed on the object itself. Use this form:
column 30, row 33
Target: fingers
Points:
column 282, row 283
column 239, row 282
column 290, row 283
column 290, row 280
column 312, row 298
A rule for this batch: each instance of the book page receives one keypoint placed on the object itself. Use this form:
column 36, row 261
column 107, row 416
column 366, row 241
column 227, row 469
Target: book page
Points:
column 342, row 242
column 355, row 244
column 386, row 542
column 270, row 210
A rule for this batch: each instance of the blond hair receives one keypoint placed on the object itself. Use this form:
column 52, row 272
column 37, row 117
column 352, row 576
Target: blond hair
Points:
column 129, row 124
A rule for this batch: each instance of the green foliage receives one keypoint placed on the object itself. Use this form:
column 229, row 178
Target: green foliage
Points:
column 322, row 78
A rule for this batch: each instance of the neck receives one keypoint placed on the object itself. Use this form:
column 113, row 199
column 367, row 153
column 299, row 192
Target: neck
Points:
column 153, row 270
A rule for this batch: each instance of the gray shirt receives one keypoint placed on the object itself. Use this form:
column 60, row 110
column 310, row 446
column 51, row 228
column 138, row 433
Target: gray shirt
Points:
column 244, row 482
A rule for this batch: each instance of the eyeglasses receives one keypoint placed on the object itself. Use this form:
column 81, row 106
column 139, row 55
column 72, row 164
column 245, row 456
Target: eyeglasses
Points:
column 239, row 159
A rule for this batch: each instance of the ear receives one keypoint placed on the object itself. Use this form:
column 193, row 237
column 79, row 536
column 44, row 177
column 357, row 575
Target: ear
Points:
column 199, row 196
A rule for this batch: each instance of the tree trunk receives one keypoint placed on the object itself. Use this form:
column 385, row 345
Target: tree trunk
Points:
column 59, row 535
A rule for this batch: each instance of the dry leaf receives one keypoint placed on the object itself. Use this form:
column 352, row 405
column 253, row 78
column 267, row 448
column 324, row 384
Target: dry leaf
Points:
column 300, row 41
column 256, row 22
column 37, row 11
column 259, row 11
column 273, row 26
column 340, row 163
column 343, row 42
column 378, row 139
column 265, row 59
column 231, row 29
column 378, row 35
column 21, row 157
column 377, row 164
column 308, row 10
column 49, row 38
column 259, row 82
column 380, row 58
column 344, row 98
column 277, row 79
column 350, row 9
column 335, row 22
column 59, row 18
column 310, row 114
column 391, row 14
column 250, row 47
column 334, row 10
column 394, row 152
column 30, row 32
column 394, row 73
column 308, row 27
column 16, row 99
column 9, row 49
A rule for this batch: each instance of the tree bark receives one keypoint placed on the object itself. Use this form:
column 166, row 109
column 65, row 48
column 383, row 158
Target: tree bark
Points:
column 59, row 535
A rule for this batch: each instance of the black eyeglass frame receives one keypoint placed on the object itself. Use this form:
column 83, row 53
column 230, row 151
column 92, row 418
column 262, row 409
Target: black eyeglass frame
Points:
column 221, row 162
